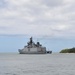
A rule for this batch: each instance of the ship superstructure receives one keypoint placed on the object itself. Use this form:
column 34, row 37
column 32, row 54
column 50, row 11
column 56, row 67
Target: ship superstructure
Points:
column 32, row 48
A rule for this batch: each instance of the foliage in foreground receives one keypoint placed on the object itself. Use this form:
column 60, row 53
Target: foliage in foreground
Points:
column 71, row 50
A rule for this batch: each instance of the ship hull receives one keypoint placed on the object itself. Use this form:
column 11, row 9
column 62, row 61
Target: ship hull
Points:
column 22, row 52
column 32, row 51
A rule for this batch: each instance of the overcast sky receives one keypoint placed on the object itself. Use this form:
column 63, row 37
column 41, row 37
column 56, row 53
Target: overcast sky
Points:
column 46, row 18
column 38, row 18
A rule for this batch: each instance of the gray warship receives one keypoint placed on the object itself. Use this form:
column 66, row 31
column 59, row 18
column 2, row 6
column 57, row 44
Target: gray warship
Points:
column 32, row 48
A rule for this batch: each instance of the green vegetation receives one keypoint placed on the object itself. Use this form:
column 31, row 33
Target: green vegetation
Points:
column 71, row 50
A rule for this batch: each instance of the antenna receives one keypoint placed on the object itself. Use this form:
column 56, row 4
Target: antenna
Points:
column 37, row 39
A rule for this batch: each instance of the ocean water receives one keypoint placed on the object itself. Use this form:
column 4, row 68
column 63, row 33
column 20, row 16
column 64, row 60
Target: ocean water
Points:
column 34, row 64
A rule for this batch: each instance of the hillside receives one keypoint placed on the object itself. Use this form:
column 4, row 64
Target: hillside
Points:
column 71, row 50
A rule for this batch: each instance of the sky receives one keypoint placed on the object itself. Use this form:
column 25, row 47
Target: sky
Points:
column 52, row 22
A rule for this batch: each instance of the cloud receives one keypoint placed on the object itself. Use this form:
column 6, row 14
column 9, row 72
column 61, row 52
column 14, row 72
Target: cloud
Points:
column 44, row 18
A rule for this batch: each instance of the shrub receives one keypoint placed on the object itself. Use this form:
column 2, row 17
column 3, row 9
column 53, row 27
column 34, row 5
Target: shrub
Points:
column 71, row 50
